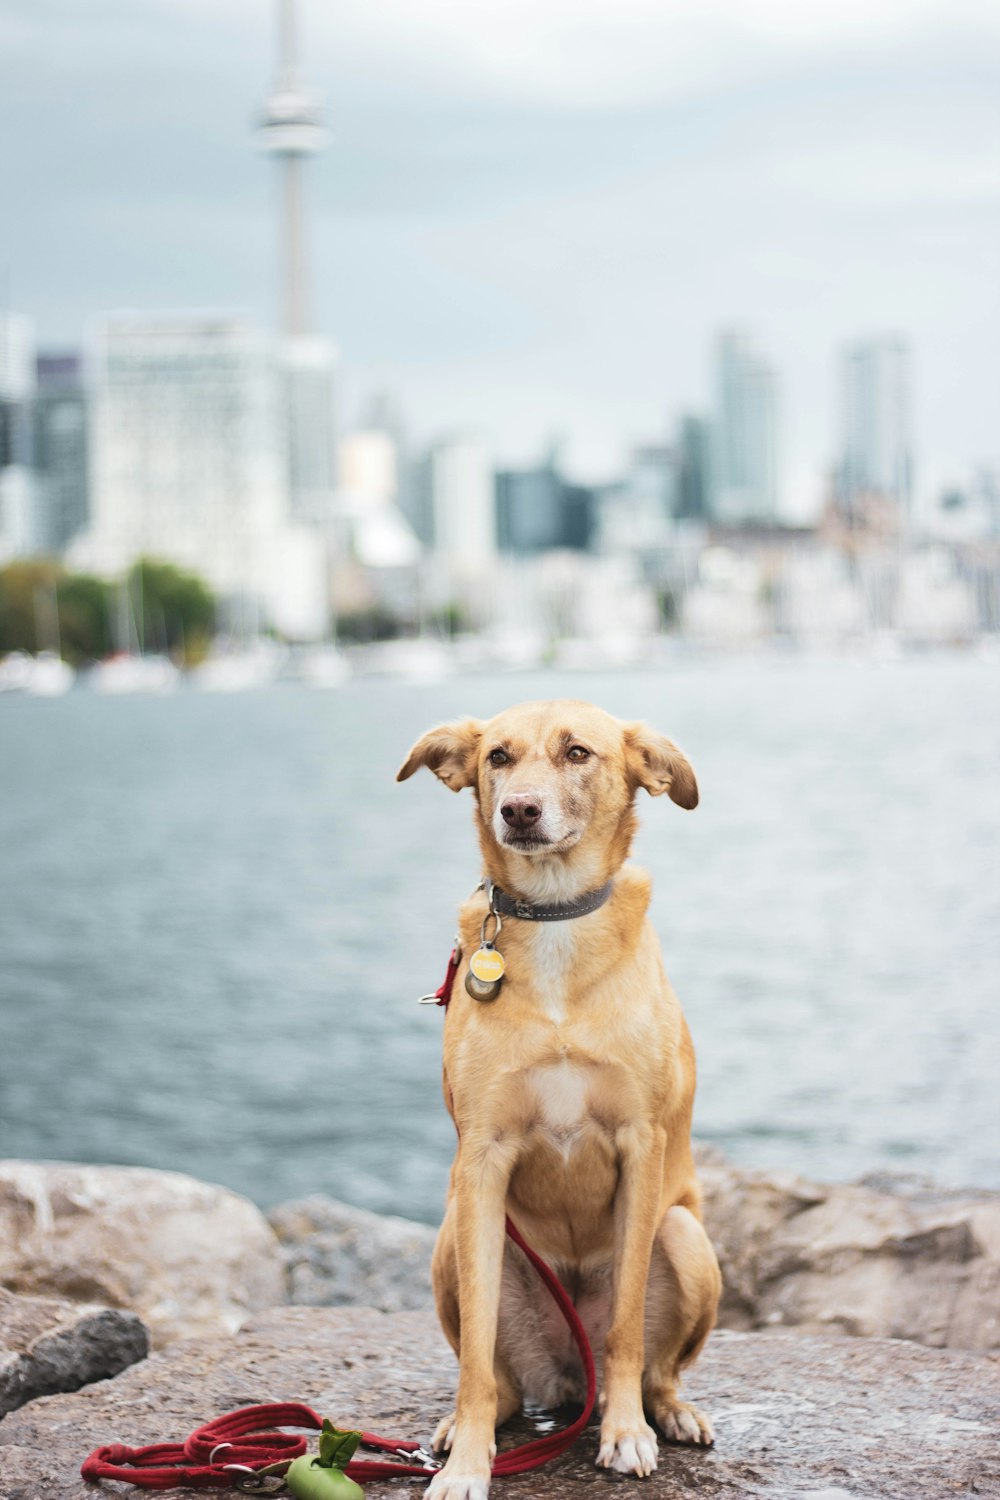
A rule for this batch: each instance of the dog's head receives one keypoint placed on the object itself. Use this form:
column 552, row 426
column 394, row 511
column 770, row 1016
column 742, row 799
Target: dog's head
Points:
column 554, row 782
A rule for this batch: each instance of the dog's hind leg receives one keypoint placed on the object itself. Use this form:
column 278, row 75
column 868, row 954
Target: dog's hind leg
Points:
column 682, row 1298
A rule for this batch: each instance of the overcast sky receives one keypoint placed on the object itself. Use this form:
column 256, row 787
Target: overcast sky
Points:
column 535, row 215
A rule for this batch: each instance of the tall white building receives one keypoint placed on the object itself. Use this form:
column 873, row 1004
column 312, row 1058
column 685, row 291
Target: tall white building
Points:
column 187, row 454
column 20, row 531
column 745, row 477
column 459, row 497
column 368, row 465
column 876, row 459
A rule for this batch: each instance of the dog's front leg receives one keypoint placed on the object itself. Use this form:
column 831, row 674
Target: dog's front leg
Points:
column 628, row 1443
column 480, row 1185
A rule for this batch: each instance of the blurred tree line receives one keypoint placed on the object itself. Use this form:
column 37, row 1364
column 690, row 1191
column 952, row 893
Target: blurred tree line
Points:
column 155, row 607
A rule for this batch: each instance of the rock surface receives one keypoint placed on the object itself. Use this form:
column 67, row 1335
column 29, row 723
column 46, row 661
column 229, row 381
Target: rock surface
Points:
column 190, row 1258
column 887, row 1258
column 48, row 1346
column 336, row 1255
column 795, row 1417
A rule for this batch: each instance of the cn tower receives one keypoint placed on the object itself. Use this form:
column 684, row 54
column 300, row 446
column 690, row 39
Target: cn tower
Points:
column 291, row 128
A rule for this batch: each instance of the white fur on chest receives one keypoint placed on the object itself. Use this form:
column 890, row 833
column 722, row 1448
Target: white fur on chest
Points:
column 560, row 1091
column 552, row 954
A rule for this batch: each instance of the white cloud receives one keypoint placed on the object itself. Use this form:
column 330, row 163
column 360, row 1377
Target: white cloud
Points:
column 602, row 53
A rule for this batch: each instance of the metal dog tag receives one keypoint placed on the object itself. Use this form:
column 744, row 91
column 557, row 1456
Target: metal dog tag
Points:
column 485, row 975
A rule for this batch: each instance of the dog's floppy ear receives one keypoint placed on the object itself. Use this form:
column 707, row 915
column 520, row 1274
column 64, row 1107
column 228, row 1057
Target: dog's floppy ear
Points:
column 655, row 762
column 449, row 751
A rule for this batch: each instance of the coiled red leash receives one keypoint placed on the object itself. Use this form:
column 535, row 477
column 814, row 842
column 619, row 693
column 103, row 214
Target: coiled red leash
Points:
column 232, row 1447
column 236, row 1448
column 241, row 1447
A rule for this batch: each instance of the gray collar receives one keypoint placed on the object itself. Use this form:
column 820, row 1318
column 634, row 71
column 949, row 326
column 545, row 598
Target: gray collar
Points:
column 511, row 906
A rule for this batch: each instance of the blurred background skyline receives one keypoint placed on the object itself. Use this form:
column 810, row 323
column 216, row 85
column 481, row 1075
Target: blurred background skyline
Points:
column 535, row 219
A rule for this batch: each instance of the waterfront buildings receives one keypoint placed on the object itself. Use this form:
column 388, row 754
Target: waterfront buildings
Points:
column 745, row 478
column 188, row 458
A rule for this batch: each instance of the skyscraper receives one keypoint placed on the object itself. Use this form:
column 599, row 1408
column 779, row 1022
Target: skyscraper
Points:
column 186, row 453
column 745, row 479
column 60, row 432
column 291, row 129
column 19, row 528
column 876, row 461
column 694, row 469
column 530, row 508
column 456, row 513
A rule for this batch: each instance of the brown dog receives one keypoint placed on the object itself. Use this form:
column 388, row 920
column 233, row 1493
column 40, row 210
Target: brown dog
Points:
column 571, row 1092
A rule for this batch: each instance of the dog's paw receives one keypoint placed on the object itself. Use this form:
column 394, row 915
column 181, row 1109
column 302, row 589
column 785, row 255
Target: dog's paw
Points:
column 683, row 1423
column 632, row 1452
column 444, row 1435
column 445, row 1486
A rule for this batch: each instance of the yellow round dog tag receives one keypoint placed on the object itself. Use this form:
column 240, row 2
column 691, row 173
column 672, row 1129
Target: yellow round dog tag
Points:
column 487, row 965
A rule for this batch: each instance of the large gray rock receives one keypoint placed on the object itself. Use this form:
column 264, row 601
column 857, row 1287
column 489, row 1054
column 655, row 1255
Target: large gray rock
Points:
column 190, row 1258
column 336, row 1255
column 48, row 1346
column 885, row 1257
column 795, row 1417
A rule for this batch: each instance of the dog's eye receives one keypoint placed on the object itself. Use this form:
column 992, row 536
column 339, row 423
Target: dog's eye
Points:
column 498, row 757
column 577, row 753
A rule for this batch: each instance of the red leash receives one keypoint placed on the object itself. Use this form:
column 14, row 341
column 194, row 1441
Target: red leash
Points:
column 200, row 1463
column 241, row 1444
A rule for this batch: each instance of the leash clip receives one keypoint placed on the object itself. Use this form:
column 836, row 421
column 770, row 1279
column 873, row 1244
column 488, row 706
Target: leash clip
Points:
column 422, row 1456
column 454, row 959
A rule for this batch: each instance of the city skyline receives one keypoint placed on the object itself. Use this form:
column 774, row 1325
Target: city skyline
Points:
column 501, row 260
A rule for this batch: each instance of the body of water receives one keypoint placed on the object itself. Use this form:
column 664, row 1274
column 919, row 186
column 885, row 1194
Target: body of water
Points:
column 216, row 914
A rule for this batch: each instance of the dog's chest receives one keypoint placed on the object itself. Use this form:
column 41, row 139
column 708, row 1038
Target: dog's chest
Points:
column 559, row 1090
column 559, row 1094
column 552, row 962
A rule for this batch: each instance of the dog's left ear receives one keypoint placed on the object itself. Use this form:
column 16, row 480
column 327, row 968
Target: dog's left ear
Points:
column 655, row 762
column 449, row 751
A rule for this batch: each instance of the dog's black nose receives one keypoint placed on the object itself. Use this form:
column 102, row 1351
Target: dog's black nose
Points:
column 521, row 810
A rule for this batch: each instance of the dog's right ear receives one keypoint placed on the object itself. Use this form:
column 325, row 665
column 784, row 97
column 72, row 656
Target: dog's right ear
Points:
column 449, row 751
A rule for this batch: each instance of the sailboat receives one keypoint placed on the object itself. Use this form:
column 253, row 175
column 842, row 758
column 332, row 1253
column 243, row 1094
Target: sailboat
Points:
column 130, row 670
column 242, row 660
column 48, row 676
